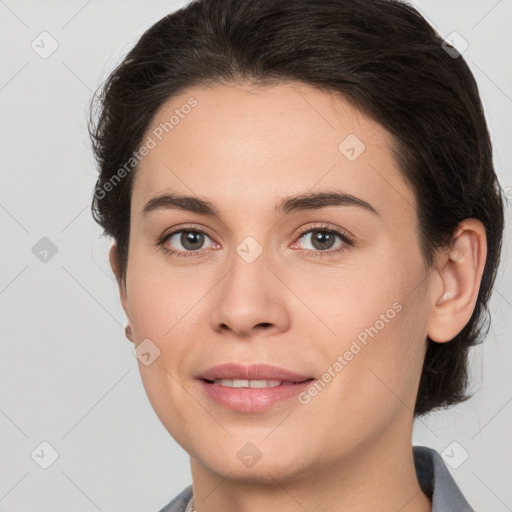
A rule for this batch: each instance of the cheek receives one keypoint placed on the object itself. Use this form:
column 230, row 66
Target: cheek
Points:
column 392, row 347
column 162, row 310
column 379, row 316
column 370, row 382
column 162, row 299
column 349, row 299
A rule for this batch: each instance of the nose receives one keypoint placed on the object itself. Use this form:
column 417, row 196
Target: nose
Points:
column 251, row 297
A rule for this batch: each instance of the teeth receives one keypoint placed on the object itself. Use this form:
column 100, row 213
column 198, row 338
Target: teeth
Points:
column 243, row 383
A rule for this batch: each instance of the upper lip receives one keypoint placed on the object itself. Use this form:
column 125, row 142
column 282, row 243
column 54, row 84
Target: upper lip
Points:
column 252, row 372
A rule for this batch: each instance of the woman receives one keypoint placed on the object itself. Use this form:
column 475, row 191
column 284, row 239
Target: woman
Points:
column 307, row 226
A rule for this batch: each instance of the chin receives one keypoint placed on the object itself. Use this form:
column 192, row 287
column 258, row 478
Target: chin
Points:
column 263, row 472
column 244, row 461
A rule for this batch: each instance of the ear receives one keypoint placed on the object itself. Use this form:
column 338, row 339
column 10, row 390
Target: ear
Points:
column 460, row 272
column 113, row 257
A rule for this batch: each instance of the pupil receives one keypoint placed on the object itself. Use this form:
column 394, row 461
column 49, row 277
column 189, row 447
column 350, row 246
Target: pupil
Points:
column 191, row 237
column 324, row 239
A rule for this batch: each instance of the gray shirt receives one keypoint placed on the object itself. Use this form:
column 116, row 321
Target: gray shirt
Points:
column 433, row 476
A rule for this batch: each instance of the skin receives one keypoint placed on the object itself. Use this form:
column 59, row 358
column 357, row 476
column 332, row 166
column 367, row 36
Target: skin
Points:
column 245, row 148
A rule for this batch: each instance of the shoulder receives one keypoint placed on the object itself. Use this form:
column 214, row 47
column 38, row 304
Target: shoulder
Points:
column 436, row 481
column 179, row 503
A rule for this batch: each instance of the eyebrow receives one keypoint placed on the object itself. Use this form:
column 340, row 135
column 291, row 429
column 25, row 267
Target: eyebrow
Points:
column 302, row 202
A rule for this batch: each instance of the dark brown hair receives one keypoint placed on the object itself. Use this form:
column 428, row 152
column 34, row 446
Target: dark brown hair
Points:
column 379, row 54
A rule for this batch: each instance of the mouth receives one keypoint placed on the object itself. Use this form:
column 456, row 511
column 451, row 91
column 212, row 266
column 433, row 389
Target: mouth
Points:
column 251, row 388
column 251, row 396
column 253, row 375
column 254, row 383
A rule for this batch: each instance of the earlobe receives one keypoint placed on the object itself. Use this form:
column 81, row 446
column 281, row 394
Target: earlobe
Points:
column 128, row 332
column 460, row 271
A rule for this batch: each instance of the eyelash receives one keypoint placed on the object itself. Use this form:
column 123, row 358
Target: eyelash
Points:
column 346, row 239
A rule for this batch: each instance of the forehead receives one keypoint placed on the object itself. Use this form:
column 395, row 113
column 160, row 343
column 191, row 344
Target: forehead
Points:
column 241, row 145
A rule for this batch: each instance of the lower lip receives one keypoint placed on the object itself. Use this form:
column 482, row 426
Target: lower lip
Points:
column 251, row 399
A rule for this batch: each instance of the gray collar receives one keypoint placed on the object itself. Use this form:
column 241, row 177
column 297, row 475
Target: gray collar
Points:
column 436, row 481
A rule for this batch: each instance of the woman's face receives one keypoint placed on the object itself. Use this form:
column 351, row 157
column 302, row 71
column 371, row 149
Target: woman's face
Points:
column 266, row 279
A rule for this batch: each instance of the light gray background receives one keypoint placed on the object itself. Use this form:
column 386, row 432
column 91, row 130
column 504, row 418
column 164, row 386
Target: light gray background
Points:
column 68, row 375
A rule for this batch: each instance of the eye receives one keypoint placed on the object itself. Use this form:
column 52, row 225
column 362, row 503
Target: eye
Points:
column 191, row 240
column 322, row 239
